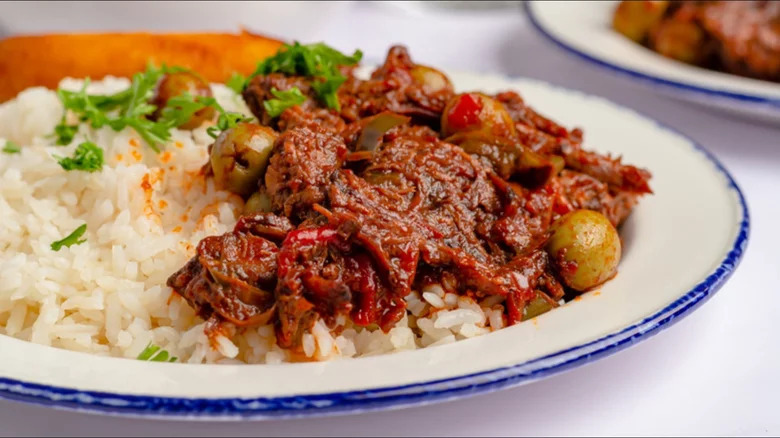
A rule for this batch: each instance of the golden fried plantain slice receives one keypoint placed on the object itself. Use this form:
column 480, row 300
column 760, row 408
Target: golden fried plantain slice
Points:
column 43, row 60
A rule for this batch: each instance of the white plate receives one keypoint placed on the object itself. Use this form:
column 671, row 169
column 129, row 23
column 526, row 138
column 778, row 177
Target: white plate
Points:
column 584, row 29
column 680, row 246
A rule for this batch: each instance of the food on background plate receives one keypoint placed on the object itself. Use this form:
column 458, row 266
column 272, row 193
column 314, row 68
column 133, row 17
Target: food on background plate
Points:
column 740, row 37
column 44, row 60
column 300, row 213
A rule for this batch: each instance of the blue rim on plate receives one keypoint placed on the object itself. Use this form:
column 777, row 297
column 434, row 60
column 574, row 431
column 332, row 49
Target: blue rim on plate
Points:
column 352, row 402
column 773, row 103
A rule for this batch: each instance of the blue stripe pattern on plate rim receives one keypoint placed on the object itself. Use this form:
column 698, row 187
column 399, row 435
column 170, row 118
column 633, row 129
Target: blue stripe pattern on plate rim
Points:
column 354, row 402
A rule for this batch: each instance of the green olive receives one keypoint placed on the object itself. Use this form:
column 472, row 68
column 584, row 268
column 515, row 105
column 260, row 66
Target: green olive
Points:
column 240, row 155
column 634, row 19
column 259, row 202
column 376, row 126
column 585, row 249
column 510, row 159
column 557, row 162
column 475, row 112
column 380, row 178
column 537, row 306
column 177, row 84
column 680, row 40
column 432, row 80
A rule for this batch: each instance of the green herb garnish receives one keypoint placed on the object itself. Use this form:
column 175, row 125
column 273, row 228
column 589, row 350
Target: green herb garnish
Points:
column 317, row 61
column 72, row 239
column 11, row 147
column 153, row 353
column 85, row 106
column 225, row 121
column 87, row 157
column 284, row 100
column 129, row 107
column 65, row 133
column 181, row 108
column 237, row 82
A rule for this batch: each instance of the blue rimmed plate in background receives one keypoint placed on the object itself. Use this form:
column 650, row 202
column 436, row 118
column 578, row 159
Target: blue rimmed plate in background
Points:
column 584, row 29
column 680, row 246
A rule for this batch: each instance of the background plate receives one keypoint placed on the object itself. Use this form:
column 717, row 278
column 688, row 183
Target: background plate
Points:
column 584, row 29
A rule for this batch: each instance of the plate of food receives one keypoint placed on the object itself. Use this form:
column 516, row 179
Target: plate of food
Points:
column 315, row 237
column 721, row 54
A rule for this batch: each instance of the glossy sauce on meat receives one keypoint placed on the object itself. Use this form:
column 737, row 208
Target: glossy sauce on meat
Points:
column 369, row 203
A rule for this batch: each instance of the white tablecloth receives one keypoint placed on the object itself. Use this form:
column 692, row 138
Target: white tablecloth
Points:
column 716, row 372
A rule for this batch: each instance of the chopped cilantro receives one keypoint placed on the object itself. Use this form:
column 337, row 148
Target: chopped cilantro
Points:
column 129, row 107
column 11, row 147
column 160, row 356
column 87, row 157
column 284, row 100
column 317, row 61
column 237, row 82
column 72, row 239
column 225, row 121
column 65, row 133
column 181, row 108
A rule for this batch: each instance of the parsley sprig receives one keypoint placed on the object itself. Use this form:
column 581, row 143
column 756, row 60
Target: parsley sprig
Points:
column 180, row 108
column 284, row 99
column 64, row 133
column 11, row 147
column 236, row 82
column 153, row 353
column 318, row 61
column 87, row 157
column 225, row 121
column 129, row 107
column 71, row 239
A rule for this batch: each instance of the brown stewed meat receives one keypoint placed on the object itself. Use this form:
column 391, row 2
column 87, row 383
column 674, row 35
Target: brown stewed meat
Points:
column 405, row 185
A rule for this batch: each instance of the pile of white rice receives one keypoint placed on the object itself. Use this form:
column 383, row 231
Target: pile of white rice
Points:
column 145, row 214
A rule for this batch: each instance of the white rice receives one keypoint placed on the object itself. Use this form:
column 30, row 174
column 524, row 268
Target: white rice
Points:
column 145, row 214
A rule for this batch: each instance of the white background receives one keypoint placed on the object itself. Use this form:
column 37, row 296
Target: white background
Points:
column 716, row 372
